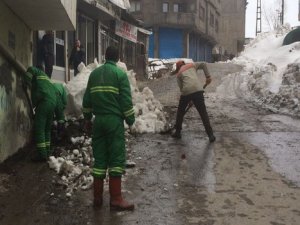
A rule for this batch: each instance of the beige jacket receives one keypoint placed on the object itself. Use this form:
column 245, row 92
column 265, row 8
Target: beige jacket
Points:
column 187, row 78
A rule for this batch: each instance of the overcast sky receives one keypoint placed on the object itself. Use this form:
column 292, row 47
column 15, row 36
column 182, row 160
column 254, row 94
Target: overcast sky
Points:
column 291, row 14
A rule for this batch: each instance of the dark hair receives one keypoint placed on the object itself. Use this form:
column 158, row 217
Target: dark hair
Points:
column 40, row 67
column 112, row 54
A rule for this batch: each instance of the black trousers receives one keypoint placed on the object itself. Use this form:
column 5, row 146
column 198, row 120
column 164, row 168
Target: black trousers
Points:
column 198, row 99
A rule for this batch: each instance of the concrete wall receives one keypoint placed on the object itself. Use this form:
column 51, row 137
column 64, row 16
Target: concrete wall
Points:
column 70, row 7
column 15, row 35
column 15, row 38
column 232, row 24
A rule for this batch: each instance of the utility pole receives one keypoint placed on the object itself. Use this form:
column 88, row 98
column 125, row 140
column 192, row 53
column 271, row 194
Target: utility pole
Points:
column 258, row 17
column 299, row 11
column 282, row 12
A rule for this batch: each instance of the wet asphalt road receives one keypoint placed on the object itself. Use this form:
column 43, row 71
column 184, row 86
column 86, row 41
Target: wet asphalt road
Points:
column 250, row 175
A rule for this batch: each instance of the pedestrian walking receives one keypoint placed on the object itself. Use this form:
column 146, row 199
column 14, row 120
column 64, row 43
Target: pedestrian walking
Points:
column 77, row 56
column 48, row 52
column 43, row 98
column 108, row 97
column 59, row 114
column 192, row 91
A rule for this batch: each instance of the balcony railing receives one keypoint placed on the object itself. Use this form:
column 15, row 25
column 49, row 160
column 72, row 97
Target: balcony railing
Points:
column 106, row 6
column 187, row 20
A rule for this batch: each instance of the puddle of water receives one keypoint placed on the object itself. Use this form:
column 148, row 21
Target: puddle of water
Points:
column 282, row 149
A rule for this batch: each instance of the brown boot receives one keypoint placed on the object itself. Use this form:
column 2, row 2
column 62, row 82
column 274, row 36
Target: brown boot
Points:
column 116, row 200
column 98, row 192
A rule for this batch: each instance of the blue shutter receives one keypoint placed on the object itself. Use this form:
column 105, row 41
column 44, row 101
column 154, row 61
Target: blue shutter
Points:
column 170, row 43
column 151, row 46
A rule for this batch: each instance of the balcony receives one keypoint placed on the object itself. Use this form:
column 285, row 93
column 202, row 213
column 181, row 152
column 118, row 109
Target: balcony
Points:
column 101, row 9
column 45, row 14
column 181, row 20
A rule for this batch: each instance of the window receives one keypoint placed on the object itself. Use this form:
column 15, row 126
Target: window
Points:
column 60, row 48
column 90, row 41
column 86, row 34
column 165, row 7
column 176, row 7
column 182, row 7
column 217, row 26
column 106, row 41
column 135, row 6
column 202, row 13
column 130, row 53
column 212, row 20
column 179, row 8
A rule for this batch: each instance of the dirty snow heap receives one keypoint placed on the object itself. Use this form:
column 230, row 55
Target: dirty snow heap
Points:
column 271, row 74
column 149, row 113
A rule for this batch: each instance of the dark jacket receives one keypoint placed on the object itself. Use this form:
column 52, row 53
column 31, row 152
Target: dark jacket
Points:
column 48, row 45
column 76, row 58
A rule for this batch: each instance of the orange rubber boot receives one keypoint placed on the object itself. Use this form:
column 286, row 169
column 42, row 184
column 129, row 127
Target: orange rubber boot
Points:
column 116, row 200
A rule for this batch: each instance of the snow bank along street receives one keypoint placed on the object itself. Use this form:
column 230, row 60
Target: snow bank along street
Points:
column 271, row 74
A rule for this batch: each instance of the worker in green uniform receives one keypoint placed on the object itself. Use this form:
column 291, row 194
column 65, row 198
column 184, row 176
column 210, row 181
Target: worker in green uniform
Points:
column 59, row 114
column 43, row 99
column 108, row 97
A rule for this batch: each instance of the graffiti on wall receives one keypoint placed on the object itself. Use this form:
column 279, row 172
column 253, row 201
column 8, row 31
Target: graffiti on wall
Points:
column 15, row 124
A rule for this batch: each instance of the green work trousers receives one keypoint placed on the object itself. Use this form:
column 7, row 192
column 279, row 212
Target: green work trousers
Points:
column 108, row 144
column 42, row 127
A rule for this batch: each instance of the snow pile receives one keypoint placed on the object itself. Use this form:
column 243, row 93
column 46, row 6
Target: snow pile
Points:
column 270, row 76
column 76, row 88
column 149, row 113
column 74, row 165
column 150, row 116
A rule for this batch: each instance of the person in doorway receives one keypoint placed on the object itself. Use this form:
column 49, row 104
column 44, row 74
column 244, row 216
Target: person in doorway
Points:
column 61, row 102
column 108, row 97
column 43, row 99
column 192, row 91
column 48, row 52
column 77, row 56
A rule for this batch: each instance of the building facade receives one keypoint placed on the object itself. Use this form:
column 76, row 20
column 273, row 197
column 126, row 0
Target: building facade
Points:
column 99, row 23
column 180, row 28
column 232, row 32
column 18, row 20
column 197, row 29
column 96, row 23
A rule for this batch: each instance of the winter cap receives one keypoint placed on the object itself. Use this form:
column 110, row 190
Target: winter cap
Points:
column 179, row 64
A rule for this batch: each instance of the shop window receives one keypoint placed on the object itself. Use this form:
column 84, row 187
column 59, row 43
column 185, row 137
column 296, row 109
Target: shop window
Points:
column 71, row 42
column 106, row 41
column 86, row 35
column 130, row 53
column 60, row 48
column 90, row 43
